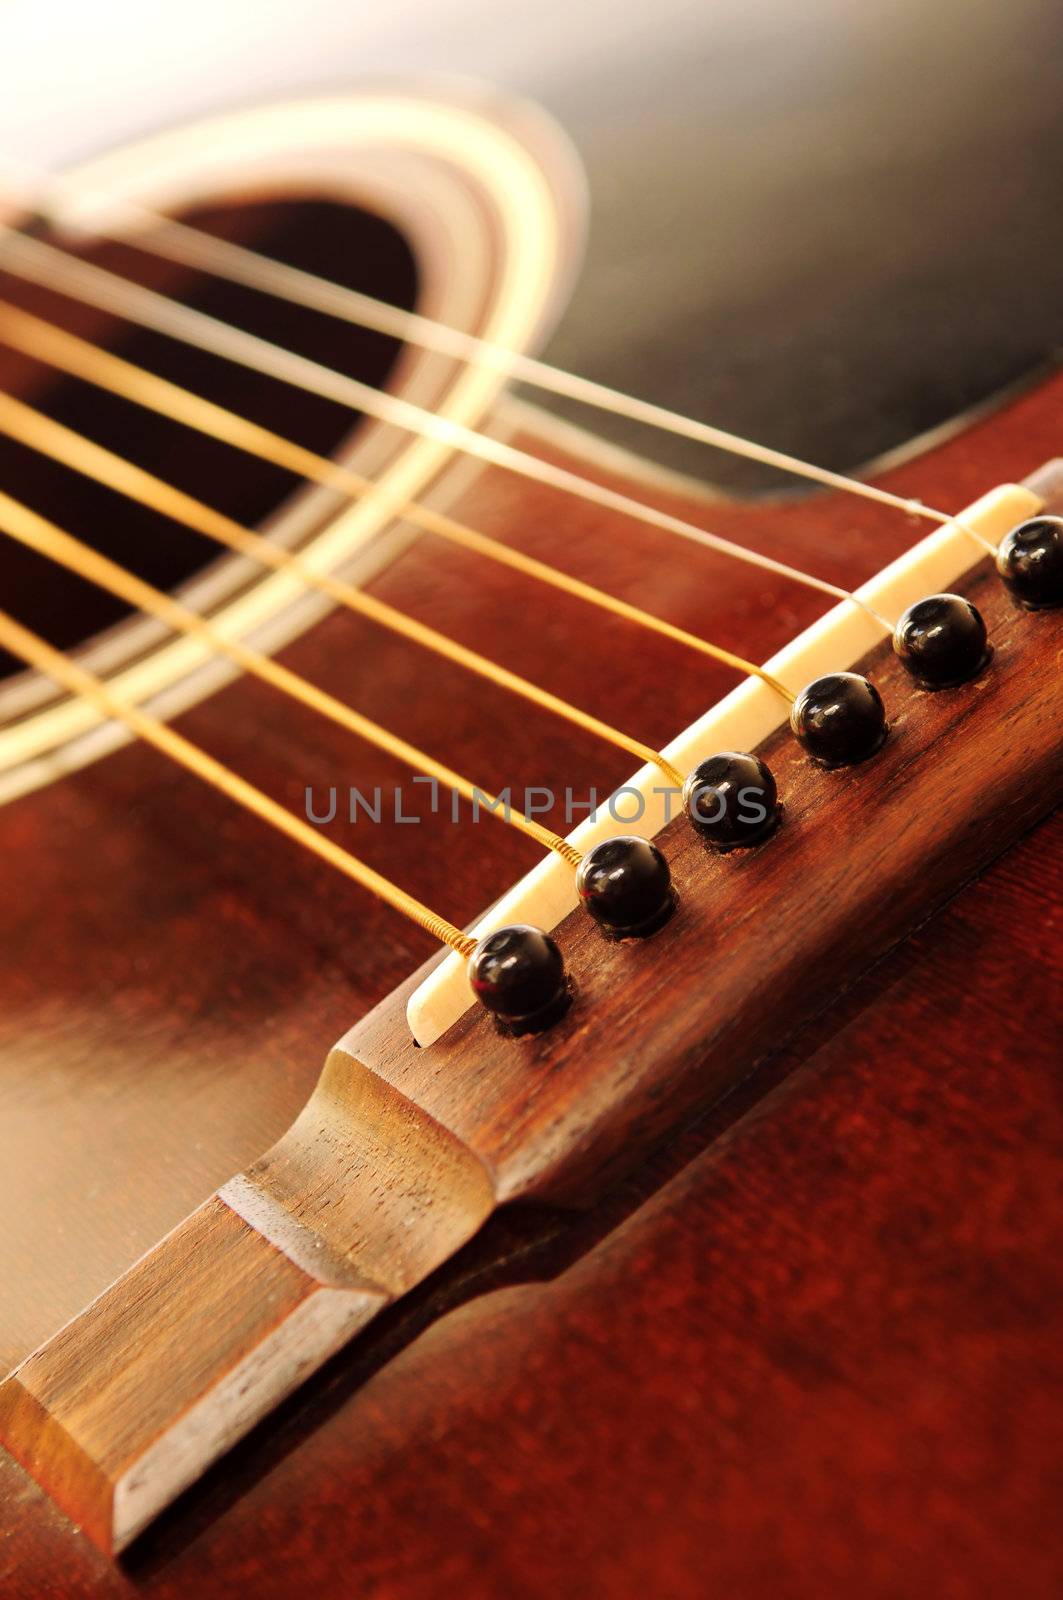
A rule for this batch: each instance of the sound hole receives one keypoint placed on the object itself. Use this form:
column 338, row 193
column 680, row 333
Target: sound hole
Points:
column 340, row 242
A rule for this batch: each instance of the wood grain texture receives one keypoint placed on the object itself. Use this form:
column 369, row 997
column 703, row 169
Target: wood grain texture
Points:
column 150, row 1043
column 207, row 1332
column 403, row 1152
column 817, row 1360
column 112, row 1441
column 762, row 938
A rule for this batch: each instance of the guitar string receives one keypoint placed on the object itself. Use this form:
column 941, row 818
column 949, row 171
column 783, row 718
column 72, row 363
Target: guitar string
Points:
column 68, row 674
column 202, row 250
column 81, row 454
column 53, row 542
column 197, row 248
column 44, row 341
column 37, row 653
column 42, row 263
column 37, row 533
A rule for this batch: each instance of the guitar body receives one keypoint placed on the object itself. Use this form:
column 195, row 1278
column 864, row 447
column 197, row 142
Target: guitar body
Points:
column 800, row 1346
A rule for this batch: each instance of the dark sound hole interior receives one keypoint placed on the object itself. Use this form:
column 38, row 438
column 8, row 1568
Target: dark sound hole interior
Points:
column 343, row 244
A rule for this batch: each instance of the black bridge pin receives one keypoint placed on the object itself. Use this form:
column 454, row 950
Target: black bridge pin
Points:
column 1030, row 561
column 732, row 800
column 626, row 885
column 840, row 719
column 518, row 974
column 941, row 640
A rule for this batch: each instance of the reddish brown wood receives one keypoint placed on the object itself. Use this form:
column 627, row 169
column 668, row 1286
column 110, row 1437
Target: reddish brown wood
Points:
column 817, row 1361
column 761, row 940
column 153, row 1071
column 362, row 1198
column 403, row 1152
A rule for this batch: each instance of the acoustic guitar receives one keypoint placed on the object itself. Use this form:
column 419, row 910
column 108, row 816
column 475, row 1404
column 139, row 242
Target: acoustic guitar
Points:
column 531, row 966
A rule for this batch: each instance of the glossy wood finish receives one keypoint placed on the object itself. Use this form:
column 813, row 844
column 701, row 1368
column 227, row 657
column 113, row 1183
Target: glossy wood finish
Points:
column 361, row 1200
column 816, row 1361
column 257, row 896
column 403, row 1152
